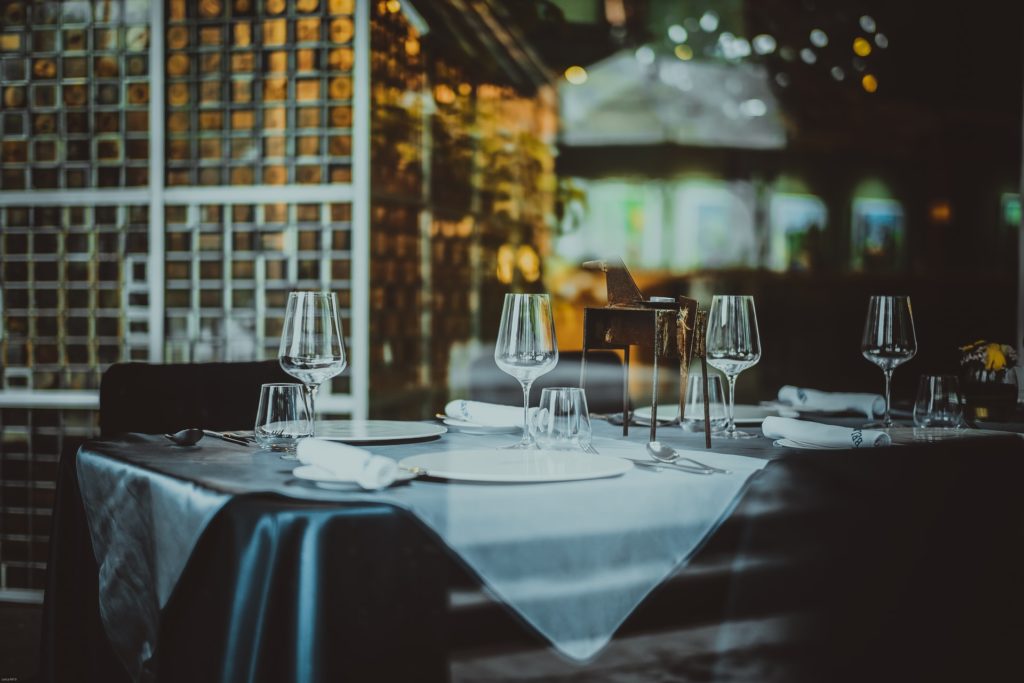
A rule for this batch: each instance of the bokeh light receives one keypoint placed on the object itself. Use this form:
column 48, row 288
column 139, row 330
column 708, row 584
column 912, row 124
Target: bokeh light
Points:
column 881, row 41
column 764, row 44
column 645, row 55
column 808, row 56
column 868, row 24
column 709, row 21
column 861, row 47
column 819, row 38
column 869, row 83
column 684, row 52
column 677, row 33
column 576, row 75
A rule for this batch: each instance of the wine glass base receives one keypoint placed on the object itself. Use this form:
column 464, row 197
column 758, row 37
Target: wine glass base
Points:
column 879, row 425
column 520, row 446
column 737, row 434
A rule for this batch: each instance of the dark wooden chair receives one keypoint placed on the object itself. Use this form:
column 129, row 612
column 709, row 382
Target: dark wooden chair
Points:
column 154, row 399
column 604, row 381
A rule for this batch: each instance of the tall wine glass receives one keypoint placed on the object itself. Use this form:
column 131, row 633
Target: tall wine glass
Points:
column 889, row 340
column 526, row 346
column 733, row 345
column 312, row 348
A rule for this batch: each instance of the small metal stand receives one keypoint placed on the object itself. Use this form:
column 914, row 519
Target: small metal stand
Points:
column 667, row 327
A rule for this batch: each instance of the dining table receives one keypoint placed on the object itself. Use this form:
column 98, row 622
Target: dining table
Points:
column 215, row 562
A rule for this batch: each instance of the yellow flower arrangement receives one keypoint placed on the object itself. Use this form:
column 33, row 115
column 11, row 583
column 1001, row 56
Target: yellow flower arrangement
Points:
column 988, row 355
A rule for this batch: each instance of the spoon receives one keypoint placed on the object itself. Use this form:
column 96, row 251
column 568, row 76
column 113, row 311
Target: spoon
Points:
column 667, row 454
column 186, row 437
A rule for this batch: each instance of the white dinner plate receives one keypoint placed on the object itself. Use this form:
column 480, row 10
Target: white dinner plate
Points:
column 325, row 479
column 376, row 430
column 474, row 428
column 747, row 415
column 515, row 466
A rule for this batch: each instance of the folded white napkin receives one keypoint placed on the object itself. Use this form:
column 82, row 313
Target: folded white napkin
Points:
column 348, row 463
column 829, row 402
column 824, row 436
column 485, row 414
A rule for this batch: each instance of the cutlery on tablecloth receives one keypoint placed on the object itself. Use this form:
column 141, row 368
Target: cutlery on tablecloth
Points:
column 185, row 437
column 658, row 467
column 668, row 455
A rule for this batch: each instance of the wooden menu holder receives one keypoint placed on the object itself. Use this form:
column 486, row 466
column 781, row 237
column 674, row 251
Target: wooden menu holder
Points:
column 669, row 328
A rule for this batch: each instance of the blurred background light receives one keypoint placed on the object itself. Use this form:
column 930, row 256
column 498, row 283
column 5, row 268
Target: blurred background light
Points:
column 861, row 47
column 869, row 82
column 868, row 24
column 808, row 56
column 576, row 75
column 838, row 73
column 645, row 55
column 684, row 52
column 709, row 21
column 764, row 44
column 819, row 38
column 881, row 41
column 677, row 33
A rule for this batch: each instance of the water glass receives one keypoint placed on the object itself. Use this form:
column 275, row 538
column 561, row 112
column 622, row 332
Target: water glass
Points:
column 562, row 420
column 939, row 403
column 283, row 418
column 693, row 410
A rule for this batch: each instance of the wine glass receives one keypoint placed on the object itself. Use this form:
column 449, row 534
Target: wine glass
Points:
column 526, row 346
column 733, row 345
column 312, row 348
column 889, row 340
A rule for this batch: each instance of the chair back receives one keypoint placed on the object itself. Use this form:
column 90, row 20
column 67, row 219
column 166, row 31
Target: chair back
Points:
column 156, row 399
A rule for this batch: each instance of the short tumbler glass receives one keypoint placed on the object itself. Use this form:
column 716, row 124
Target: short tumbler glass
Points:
column 939, row 403
column 562, row 421
column 693, row 411
column 283, row 418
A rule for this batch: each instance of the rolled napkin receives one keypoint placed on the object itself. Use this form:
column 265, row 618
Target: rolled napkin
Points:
column 823, row 436
column 485, row 414
column 832, row 402
column 348, row 463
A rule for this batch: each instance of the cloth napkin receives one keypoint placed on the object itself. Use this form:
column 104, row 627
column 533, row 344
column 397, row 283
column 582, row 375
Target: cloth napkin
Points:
column 823, row 436
column 348, row 463
column 827, row 401
column 485, row 414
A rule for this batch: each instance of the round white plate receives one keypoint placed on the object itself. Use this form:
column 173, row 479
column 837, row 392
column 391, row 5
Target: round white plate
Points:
column 747, row 415
column 376, row 430
column 325, row 479
column 474, row 428
column 515, row 466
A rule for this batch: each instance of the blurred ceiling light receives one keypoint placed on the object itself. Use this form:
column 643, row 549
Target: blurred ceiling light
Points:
column 465, row 88
column 881, row 41
column 394, row 6
column 868, row 24
column 412, row 47
column 861, row 47
column 838, row 73
column 808, row 56
column 787, row 53
column 741, row 48
column 709, row 21
column 753, row 108
column 684, row 52
column 764, row 44
column 576, row 75
column 819, row 38
column 677, row 33
column 645, row 55
column 782, row 79
column 869, row 82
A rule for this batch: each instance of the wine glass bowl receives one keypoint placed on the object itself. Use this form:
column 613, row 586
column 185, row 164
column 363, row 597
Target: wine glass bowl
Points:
column 312, row 346
column 733, row 345
column 889, row 340
column 526, row 347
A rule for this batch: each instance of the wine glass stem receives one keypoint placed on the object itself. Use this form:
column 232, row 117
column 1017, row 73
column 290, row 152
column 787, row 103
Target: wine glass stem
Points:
column 732, row 405
column 887, row 420
column 311, row 390
column 526, row 411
